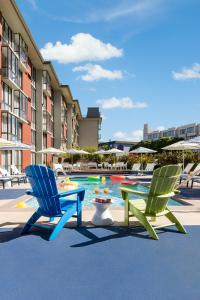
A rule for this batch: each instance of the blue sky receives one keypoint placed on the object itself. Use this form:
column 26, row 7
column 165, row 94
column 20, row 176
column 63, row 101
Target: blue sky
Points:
column 138, row 59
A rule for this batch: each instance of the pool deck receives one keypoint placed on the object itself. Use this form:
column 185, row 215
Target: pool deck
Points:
column 188, row 214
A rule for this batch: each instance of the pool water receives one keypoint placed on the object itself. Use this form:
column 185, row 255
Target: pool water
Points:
column 112, row 187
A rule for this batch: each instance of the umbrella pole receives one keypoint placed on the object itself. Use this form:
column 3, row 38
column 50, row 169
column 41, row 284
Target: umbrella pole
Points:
column 183, row 159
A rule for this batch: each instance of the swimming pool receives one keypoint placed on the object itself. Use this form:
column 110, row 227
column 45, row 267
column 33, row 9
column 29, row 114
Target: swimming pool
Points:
column 98, row 189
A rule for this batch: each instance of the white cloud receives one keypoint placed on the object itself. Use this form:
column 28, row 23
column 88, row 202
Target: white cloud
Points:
column 135, row 135
column 82, row 47
column 124, row 102
column 187, row 73
column 96, row 72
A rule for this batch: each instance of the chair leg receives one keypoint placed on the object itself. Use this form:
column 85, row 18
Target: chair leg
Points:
column 126, row 208
column 144, row 221
column 33, row 219
column 173, row 219
column 63, row 220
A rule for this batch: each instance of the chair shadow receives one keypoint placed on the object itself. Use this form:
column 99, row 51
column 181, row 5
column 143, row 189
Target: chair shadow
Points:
column 118, row 232
column 9, row 234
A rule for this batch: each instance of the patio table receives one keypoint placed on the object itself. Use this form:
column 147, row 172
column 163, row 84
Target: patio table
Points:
column 102, row 215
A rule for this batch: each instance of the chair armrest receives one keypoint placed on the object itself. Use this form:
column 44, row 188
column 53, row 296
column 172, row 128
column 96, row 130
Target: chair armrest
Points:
column 166, row 195
column 72, row 192
column 139, row 193
column 29, row 192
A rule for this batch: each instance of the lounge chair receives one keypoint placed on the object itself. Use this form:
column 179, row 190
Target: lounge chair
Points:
column 7, row 177
column 136, row 168
column 51, row 203
column 58, row 168
column 15, row 172
column 106, row 165
column 92, row 165
column 188, row 176
column 195, row 179
column 154, row 203
column 188, row 168
column 149, row 168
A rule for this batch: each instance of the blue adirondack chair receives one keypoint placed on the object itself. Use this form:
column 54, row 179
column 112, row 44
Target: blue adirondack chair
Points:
column 52, row 203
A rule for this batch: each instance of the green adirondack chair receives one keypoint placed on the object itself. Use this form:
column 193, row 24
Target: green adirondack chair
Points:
column 154, row 203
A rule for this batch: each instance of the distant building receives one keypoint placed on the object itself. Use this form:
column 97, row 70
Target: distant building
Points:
column 89, row 128
column 185, row 131
column 121, row 145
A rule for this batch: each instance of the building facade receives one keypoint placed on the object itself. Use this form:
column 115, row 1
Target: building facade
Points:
column 185, row 132
column 35, row 108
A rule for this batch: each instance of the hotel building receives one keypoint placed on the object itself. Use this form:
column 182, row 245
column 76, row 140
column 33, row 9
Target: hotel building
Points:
column 35, row 108
column 185, row 132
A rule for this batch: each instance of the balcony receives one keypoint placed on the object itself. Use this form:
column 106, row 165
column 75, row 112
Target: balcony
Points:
column 20, row 107
column 10, row 67
column 21, row 50
column 46, row 84
column 47, row 122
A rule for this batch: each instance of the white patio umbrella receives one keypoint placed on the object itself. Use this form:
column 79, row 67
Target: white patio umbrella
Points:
column 114, row 151
column 182, row 146
column 100, row 152
column 52, row 151
column 83, row 152
column 142, row 150
column 11, row 145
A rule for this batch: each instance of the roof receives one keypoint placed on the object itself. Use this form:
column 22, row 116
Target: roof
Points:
column 119, row 142
column 93, row 112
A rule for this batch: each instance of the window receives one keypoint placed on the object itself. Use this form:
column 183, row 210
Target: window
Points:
column 20, row 105
column 183, row 131
column 21, row 48
column 33, row 139
column 33, row 97
column 11, row 128
column 191, row 130
column 9, row 158
column 7, row 35
column 7, row 98
column 33, row 76
column 10, row 65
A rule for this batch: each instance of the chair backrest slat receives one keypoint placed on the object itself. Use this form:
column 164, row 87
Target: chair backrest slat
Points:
column 136, row 167
column 164, row 181
column 43, row 183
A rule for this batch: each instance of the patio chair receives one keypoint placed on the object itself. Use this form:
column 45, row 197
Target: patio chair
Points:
column 154, row 203
column 7, row 177
column 106, row 165
column 92, row 165
column 188, row 176
column 51, row 203
column 149, row 168
column 15, row 171
column 195, row 179
column 188, row 168
column 136, row 168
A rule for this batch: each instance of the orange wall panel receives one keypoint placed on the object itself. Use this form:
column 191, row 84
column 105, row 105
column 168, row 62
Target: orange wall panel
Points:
column 26, row 134
column 49, row 104
column 26, row 84
column 26, row 158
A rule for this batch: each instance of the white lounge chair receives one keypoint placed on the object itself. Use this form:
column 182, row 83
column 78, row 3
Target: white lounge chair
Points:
column 188, row 177
column 92, row 165
column 149, row 168
column 58, row 168
column 188, row 168
column 136, row 168
column 15, row 171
